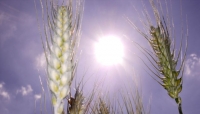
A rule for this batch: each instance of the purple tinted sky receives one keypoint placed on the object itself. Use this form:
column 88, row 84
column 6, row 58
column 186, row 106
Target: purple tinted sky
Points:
column 21, row 51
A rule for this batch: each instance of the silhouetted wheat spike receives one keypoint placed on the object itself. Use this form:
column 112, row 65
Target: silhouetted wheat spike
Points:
column 101, row 107
column 164, row 54
column 76, row 103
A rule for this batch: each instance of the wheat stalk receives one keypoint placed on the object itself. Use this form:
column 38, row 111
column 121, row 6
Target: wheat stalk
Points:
column 133, row 103
column 132, row 100
column 164, row 55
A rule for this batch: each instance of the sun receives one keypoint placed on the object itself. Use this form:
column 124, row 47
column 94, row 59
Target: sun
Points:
column 109, row 50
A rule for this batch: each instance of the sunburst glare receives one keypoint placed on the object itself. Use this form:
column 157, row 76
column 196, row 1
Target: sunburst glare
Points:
column 109, row 50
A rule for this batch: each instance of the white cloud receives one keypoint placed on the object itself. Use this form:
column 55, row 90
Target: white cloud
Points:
column 192, row 65
column 37, row 96
column 3, row 92
column 40, row 61
column 25, row 90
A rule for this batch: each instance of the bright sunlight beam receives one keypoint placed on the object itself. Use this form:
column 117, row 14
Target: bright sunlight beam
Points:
column 109, row 50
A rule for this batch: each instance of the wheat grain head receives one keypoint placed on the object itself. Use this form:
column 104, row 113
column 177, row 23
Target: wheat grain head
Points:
column 76, row 103
column 160, row 40
column 62, row 37
column 101, row 107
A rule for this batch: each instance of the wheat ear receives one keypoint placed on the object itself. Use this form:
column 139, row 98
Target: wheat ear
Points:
column 76, row 103
column 167, row 63
column 103, row 108
column 100, row 107
column 164, row 55
column 61, row 65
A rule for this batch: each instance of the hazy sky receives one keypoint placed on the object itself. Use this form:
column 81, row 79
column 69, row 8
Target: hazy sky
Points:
column 22, row 59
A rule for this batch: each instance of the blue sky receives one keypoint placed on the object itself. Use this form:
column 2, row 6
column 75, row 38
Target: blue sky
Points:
column 22, row 59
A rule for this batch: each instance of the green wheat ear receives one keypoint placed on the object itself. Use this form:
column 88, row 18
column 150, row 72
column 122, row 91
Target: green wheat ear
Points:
column 167, row 64
column 160, row 43
column 164, row 54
